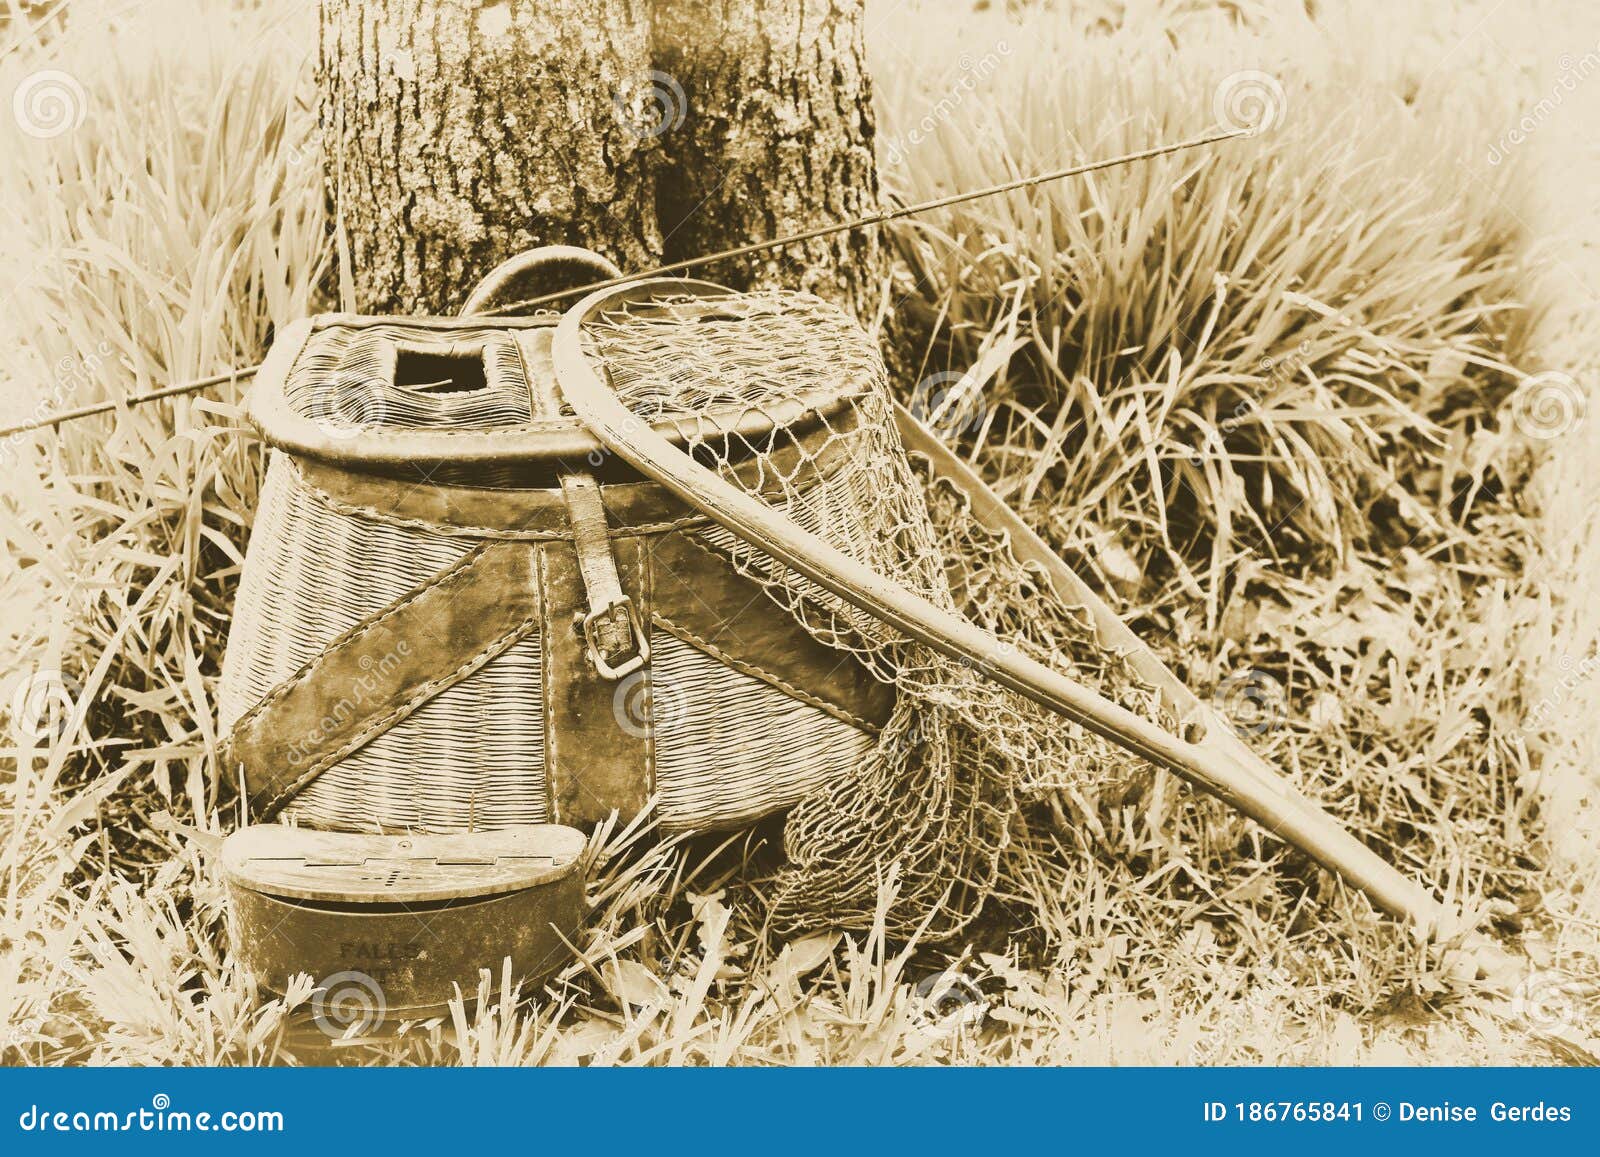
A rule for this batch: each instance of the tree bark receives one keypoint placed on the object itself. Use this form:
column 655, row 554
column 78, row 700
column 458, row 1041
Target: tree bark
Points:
column 778, row 138
column 458, row 132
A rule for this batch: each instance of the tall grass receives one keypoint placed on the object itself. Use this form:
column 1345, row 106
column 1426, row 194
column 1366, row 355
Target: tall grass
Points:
column 1262, row 393
column 1215, row 354
column 1257, row 393
column 159, row 238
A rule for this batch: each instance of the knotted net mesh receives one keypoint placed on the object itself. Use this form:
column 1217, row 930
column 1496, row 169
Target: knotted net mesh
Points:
column 785, row 397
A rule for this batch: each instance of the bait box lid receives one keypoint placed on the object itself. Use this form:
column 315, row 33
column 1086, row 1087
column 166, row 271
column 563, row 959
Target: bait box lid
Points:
column 362, row 868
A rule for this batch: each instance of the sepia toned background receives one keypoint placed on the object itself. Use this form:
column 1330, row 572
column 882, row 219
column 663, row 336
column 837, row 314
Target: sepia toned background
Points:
column 1311, row 407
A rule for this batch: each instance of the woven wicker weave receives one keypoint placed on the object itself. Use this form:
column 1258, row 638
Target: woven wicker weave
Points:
column 727, row 741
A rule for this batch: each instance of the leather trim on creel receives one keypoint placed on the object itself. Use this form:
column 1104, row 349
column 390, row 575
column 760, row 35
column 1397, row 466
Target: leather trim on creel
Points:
column 380, row 671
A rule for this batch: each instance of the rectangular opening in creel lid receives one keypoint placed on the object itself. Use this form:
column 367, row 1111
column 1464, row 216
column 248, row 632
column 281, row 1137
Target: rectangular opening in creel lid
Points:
column 440, row 369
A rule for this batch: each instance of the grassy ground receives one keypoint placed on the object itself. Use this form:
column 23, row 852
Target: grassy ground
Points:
column 1308, row 407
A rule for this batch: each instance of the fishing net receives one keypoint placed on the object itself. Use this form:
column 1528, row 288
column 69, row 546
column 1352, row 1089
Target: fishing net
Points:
column 786, row 399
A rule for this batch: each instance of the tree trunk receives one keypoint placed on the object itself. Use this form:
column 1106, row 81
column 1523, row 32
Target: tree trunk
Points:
column 459, row 132
column 778, row 138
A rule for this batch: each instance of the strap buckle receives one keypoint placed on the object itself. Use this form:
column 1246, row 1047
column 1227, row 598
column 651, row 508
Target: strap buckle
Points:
column 615, row 638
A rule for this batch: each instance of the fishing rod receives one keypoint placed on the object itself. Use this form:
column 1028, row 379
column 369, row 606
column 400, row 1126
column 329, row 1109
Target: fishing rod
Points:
column 241, row 374
column 865, row 221
column 868, row 220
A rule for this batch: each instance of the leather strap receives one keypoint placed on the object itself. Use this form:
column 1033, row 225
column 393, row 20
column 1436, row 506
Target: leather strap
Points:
column 613, row 634
column 599, row 734
column 383, row 669
column 698, row 596
column 478, row 512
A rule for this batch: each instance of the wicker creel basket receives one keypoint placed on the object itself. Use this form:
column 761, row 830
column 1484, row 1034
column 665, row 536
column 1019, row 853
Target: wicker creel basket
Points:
column 458, row 612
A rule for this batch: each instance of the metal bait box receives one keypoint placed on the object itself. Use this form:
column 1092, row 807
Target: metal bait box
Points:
column 397, row 921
